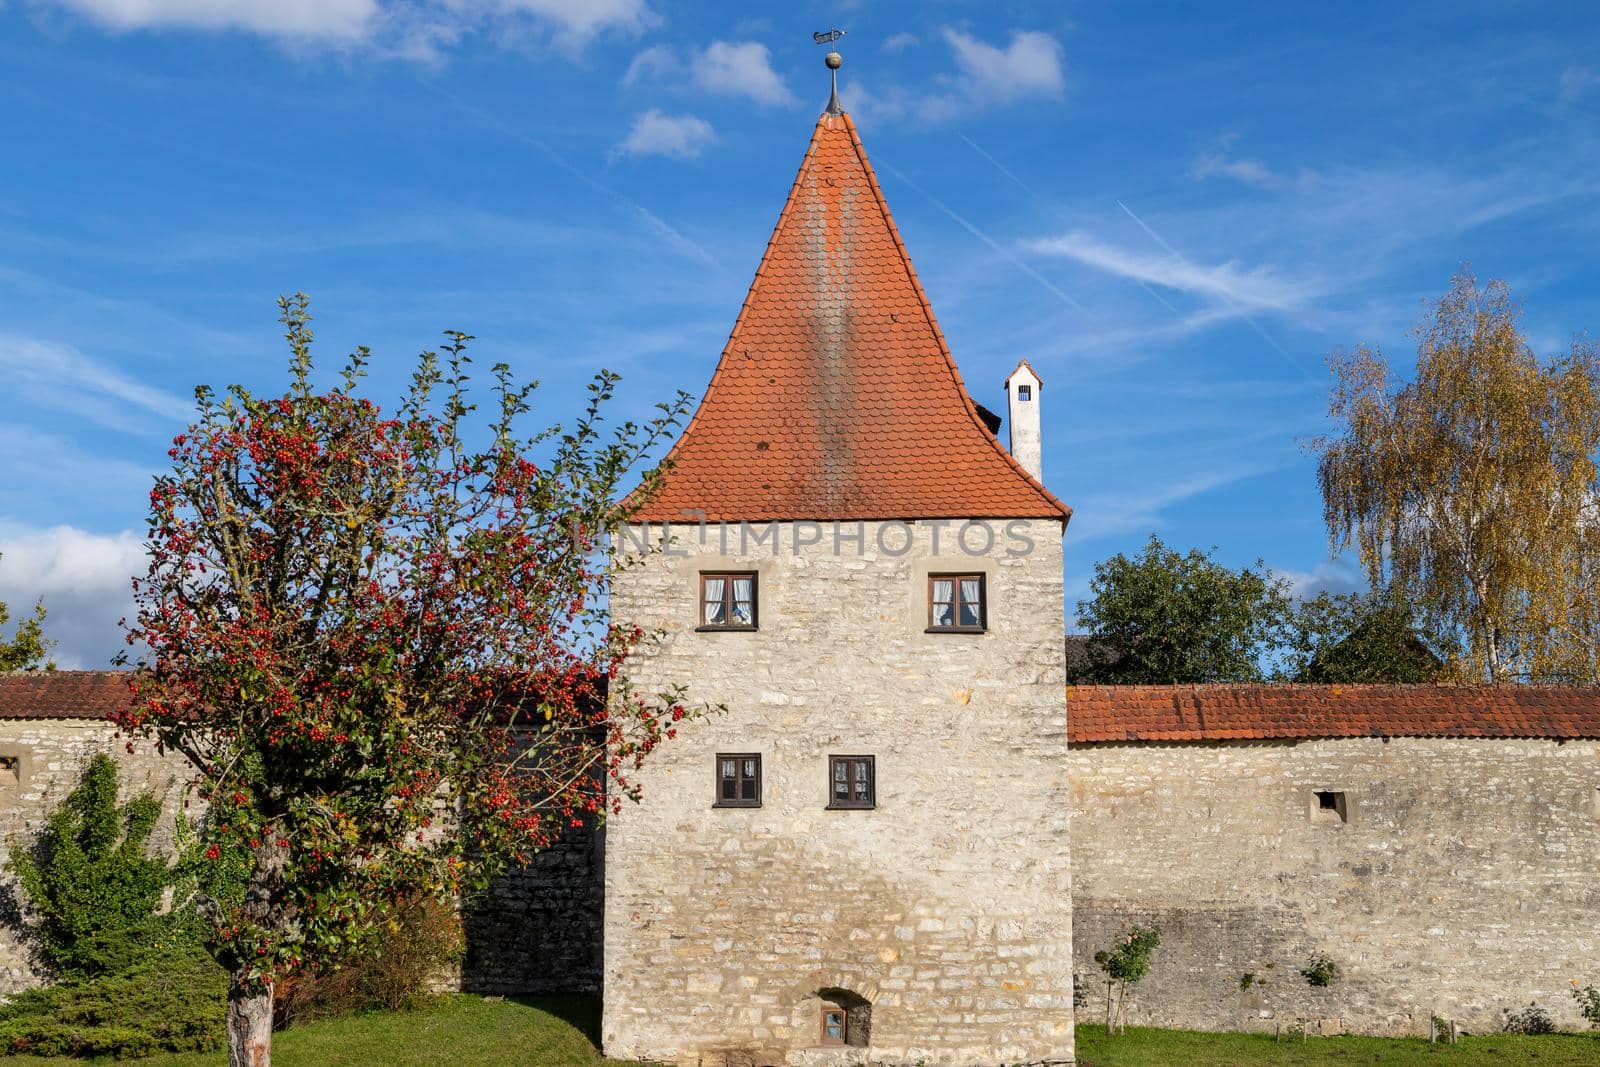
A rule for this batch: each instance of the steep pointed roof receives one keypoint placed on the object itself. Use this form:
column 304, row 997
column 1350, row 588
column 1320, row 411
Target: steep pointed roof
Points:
column 836, row 396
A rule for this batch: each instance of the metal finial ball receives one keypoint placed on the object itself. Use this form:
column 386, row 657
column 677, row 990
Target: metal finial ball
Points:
column 834, row 60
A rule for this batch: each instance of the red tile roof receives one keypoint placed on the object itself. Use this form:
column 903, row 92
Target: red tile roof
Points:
column 1284, row 712
column 836, row 396
column 62, row 694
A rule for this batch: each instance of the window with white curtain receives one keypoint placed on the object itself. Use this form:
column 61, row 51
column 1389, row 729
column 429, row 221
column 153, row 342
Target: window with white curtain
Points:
column 728, row 601
column 956, row 603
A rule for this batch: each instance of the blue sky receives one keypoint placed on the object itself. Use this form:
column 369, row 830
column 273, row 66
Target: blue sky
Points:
column 1174, row 217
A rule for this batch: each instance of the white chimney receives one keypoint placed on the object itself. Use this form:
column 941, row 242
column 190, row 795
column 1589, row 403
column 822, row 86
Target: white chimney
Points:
column 1022, row 401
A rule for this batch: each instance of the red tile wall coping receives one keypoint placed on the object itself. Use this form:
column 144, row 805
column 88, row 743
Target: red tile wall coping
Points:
column 63, row 694
column 1098, row 713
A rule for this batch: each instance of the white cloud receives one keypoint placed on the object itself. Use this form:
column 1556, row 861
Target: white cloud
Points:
column 1248, row 171
column 406, row 28
column 899, row 42
column 1340, row 575
column 1029, row 65
column 727, row 68
column 60, row 377
column 328, row 19
column 585, row 18
column 658, row 134
column 653, row 62
column 334, row 20
column 85, row 580
column 1249, row 289
column 741, row 68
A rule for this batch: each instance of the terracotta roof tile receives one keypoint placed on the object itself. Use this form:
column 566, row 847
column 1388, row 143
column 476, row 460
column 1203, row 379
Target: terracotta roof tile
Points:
column 836, row 396
column 1286, row 712
column 62, row 694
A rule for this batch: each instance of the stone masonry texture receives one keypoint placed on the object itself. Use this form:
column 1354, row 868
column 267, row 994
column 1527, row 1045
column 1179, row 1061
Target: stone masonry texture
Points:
column 1464, row 881
column 948, row 907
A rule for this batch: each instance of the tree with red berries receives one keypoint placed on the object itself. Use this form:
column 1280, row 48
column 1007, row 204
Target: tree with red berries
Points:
column 382, row 642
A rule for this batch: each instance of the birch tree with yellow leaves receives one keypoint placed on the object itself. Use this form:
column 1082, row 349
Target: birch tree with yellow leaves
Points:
column 1471, row 490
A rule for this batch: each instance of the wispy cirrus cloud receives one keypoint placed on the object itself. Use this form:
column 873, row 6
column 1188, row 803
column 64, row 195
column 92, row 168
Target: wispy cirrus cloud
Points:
column 1117, row 514
column 657, row 134
column 61, row 378
column 1258, row 288
column 1249, row 171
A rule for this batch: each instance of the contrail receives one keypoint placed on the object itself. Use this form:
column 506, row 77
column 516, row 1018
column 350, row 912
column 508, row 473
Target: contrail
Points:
column 1179, row 256
column 991, row 242
column 1056, row 210
column 662, row 228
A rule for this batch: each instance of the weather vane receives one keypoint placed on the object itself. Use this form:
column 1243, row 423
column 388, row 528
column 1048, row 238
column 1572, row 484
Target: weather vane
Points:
column 834, row 61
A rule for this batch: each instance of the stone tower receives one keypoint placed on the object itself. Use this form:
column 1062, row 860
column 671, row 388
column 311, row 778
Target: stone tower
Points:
column 865, row 857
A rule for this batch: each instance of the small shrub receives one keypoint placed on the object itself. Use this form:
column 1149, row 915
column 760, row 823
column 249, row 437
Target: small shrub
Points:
column 173, row 1001
column 419, row 945
column 132, row 980
column 1246, row 980
column 1320, row 971
column 1126, row 965
column 1588, row 998
column 1530, row 1020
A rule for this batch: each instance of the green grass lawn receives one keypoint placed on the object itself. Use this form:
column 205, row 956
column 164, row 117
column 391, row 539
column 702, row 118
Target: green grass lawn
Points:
column 453, row 1032
column 1155, row 1048
column 560, row 1031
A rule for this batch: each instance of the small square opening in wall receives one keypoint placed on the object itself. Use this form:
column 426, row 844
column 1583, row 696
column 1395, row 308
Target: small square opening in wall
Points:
column 10, row 772
column 1331, row 806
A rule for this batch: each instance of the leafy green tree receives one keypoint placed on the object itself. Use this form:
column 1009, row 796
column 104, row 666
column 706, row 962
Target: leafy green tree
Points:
column 1164, row 617
column 1358, row 638
column 27, row 649
column 90, row 879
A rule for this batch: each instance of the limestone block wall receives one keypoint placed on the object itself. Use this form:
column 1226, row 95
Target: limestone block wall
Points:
column 41, row 761
column 948, row 907
column 1465, row 880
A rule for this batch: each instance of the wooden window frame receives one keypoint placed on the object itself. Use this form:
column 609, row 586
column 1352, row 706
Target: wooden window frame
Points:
column 830, row 1008
column 956, row 578
column 716, row 780
column 872, row 784
column 727, row 603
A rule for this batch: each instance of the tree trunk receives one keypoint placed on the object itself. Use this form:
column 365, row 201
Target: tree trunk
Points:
column 249, row 1024
column 250, row 1000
